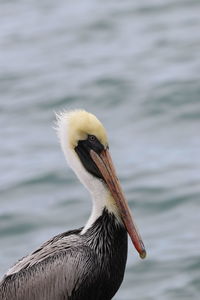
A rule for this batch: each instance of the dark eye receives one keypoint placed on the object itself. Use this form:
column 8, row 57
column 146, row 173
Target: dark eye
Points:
column 92, row 138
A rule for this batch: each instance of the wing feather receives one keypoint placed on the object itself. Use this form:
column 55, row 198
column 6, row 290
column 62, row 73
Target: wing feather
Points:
column 57, row 270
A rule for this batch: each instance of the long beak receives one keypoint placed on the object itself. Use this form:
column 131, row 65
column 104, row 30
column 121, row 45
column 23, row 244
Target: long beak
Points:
column 106, row 167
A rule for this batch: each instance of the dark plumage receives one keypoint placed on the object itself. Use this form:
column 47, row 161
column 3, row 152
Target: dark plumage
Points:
column 98, row 256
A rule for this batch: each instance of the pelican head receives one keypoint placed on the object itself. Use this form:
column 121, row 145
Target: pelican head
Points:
column 84, row 142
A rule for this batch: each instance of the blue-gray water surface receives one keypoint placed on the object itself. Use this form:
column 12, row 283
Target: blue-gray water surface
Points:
column 136, row 65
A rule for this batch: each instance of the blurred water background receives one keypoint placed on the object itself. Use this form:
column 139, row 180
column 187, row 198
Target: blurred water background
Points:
column 136, row 65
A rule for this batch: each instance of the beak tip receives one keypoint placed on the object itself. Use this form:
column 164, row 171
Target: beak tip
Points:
column 143, row 254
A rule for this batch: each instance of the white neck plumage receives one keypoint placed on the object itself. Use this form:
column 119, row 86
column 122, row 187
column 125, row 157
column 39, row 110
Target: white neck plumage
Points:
column 99, row 192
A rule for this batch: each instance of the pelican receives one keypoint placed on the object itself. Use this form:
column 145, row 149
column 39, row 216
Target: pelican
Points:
column 86, row 263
